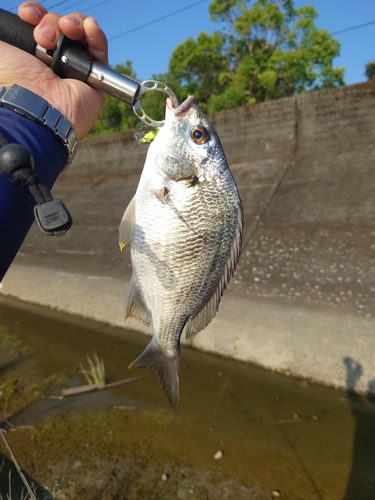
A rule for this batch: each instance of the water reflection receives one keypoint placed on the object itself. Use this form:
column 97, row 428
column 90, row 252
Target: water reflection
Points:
column 361, row 482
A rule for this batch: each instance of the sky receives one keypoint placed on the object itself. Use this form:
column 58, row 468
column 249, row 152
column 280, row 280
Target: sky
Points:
column 146, row 32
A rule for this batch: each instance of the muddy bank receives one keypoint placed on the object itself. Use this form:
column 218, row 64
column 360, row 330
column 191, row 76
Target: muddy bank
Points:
column 278, row 435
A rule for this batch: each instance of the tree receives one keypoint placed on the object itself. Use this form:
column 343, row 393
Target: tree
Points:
column 370, row 70
column 200, row 66
column 267, row 50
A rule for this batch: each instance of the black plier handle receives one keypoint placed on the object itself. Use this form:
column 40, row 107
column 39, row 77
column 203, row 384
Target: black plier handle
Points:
column 70, row 60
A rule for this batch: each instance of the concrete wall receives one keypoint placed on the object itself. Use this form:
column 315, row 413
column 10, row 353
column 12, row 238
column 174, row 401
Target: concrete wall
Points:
column 303, row 297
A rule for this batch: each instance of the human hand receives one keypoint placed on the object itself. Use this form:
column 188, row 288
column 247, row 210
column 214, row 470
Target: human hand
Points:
column 78, row 102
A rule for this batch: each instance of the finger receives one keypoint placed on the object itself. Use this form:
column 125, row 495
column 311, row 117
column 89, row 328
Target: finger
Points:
column 76, row 26
column 96, row 40
column 47, row 32
column 31, row 12
column 72, row 25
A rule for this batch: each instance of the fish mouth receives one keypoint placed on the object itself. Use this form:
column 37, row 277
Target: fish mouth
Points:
column 183, row 108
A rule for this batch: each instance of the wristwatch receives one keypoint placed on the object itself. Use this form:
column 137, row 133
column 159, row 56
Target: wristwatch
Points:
column 37, row 109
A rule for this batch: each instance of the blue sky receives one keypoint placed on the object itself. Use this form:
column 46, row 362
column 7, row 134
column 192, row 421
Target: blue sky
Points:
column 149, row 48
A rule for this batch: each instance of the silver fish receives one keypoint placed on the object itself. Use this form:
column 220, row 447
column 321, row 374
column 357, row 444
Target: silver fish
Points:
column 185, row 227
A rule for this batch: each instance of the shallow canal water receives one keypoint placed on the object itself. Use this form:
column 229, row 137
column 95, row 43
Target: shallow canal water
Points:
column 239, row 432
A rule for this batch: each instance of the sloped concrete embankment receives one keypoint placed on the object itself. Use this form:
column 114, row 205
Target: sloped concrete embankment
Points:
column 303, row 297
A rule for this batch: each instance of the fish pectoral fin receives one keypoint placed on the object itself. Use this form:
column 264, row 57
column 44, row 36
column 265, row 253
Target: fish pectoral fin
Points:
column 168, row 369
column 160, row 194
column 135, row 306
column 127, row 224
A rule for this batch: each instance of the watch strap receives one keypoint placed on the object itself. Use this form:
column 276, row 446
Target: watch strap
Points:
column 37, row 109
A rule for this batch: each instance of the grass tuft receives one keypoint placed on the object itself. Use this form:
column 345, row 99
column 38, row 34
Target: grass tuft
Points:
column 95, row 374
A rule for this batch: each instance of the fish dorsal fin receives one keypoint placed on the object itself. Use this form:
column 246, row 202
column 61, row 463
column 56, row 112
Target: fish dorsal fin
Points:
column 127, row 224
column 206, row 314
column 168, row 369
column 134, row 304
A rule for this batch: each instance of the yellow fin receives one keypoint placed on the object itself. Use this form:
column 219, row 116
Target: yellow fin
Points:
column 135, row 306
column 127, row 224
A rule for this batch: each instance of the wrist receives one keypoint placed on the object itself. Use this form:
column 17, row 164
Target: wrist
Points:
column 37, row 109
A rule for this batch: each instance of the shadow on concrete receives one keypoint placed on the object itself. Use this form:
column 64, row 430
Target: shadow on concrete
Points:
column 361, row 481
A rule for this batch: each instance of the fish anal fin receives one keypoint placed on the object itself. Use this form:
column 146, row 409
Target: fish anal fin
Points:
column 127, row 224
column 135, row 306
column 167, row 366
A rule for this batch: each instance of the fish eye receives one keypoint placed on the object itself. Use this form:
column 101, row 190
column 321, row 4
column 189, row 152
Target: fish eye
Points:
column 199, row 134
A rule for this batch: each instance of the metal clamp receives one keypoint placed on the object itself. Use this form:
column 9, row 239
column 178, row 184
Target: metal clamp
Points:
column 127, row 89
column 145, row 87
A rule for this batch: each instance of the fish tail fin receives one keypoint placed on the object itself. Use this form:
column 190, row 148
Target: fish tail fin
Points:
column 168, row 369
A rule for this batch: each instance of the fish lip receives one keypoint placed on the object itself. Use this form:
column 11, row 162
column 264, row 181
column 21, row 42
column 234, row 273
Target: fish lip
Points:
column 183, row 108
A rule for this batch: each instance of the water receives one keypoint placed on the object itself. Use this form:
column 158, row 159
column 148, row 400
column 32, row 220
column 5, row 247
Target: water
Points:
column 279, row 437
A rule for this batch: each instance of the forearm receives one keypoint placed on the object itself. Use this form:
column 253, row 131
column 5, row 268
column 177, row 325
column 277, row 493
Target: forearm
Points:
column 77, row 102
column 16, row 202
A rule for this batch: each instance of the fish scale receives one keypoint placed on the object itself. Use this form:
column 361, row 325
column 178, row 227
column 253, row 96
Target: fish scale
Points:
column 185, row 228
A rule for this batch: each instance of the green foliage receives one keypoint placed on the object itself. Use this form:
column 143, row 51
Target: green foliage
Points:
column 268, row 50
column 200, row 66
column 370, row 70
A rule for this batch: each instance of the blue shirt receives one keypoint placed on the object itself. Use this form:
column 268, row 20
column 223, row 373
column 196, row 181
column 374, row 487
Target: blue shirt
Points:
column 16, row 202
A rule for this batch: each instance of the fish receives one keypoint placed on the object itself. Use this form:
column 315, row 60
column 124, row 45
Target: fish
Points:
column 184, row 226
